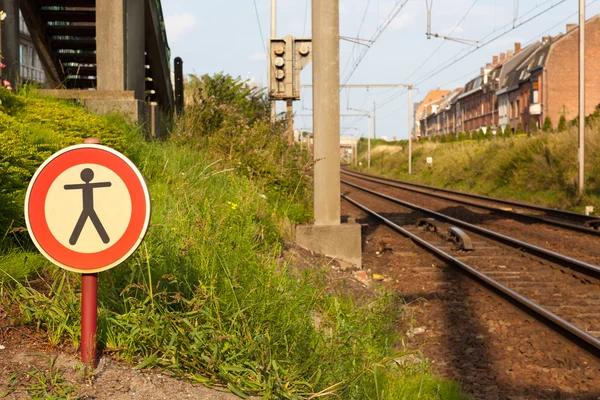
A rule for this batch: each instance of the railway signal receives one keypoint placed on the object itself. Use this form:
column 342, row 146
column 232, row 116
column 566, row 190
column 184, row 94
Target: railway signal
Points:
column 288, row 56
column 87, row 209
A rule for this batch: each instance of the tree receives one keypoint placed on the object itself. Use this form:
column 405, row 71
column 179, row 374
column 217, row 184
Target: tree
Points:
column 547, row 125
column 533, row 129
column 507, row 130
column 489, row 135
column 520, row 129
column 562, row 124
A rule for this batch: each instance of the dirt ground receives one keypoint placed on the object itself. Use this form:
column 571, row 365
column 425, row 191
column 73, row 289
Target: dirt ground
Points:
column 31, row 368
column 469, row 333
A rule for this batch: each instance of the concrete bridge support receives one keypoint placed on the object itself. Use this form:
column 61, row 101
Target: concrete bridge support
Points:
column 120, row 46
column 9, row 43
column 113, row 39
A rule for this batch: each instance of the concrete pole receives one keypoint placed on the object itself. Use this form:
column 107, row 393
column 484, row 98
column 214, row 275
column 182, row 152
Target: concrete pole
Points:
column 111, row 44
column 374, row 121
column 269, row 66
column 369, row 144
column 326, row 104
column 10, row 44
column 135, row 56
column 410, row 111
column 581, row 152
column 290, row 120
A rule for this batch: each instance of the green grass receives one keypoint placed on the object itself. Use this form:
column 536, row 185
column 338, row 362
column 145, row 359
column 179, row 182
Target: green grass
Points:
column 207, row 297
column 541, row 168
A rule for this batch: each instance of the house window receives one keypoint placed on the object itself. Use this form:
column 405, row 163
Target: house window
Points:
column 535, row 92
column 518, row 108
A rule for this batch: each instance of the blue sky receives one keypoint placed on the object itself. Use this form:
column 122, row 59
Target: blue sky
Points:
column 224, row 36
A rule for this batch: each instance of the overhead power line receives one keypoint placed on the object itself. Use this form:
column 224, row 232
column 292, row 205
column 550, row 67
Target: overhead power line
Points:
column 357, row 35
column 398, row 6
column 262, row 37
column 451, row 62
column 435, row 71
column 441, row 44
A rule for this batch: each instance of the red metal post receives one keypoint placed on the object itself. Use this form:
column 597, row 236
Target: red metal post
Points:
column 89, row 308
column 89, row 318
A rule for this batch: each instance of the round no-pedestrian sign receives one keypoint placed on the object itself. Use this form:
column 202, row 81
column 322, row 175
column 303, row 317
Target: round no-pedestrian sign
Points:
column 87, row 208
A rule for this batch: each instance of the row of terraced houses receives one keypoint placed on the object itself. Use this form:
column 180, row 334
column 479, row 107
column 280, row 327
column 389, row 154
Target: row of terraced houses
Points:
column 524, row 85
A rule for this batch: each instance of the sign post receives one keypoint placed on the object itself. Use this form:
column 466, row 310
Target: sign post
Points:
column 87, row 210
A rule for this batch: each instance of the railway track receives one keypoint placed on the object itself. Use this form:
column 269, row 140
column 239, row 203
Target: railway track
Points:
column 561, row 291
column 514, row 209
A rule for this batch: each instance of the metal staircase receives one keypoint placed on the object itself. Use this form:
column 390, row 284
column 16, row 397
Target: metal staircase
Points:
column 64, row 34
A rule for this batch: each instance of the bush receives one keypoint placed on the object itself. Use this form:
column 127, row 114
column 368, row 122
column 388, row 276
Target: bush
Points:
column 562, row 124
column 547, row 125
column 533, row 128
column 520, row 129
column 231, row 120
column 507, row 130
column 488, row 131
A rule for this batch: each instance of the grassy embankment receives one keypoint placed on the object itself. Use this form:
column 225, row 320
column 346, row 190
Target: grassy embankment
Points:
column 540, row 168
column 206, row 296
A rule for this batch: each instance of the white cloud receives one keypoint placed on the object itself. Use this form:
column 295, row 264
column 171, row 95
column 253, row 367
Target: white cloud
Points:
column 257, row 57
column 178, row 24
column 403, row 20
column 405, row 17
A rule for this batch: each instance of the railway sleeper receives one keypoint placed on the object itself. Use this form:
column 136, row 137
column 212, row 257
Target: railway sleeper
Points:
column 592, row 223
column 457, row 236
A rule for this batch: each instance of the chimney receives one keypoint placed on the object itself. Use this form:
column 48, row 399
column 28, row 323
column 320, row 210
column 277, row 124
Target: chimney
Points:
column 570, row 27
column 502, row 57
column 517, row 48
column 509, row 54
column 545, row 39
column 495, row 60
column 488, row 66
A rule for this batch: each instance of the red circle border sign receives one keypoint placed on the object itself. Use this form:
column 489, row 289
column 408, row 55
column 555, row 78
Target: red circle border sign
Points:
column 37, row 224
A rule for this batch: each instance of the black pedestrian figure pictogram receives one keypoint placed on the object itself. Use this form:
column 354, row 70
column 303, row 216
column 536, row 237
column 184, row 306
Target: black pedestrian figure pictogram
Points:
column 87, row 190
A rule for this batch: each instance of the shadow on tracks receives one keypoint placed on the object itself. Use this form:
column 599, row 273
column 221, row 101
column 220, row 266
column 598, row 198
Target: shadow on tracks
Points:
column 464, row 348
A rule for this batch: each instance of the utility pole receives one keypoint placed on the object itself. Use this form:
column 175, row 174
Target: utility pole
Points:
column 369, row 145
column 290, row 120
column 269, row 66
column 410, row 113
column 326, row 101
column 581, row 152
column 328, row 235
column 374, row 121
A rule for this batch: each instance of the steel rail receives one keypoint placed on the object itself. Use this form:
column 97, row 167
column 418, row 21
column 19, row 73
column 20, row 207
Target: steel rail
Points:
column 581, row 217
column 548, row 315
column 406, row 186
column 539, row 251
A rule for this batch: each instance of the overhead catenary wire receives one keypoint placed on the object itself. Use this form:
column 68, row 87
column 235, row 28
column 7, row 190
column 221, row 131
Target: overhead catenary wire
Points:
column 262, row 37
column 435, row 71
column 357, row 35
column 305, row 17
column 506, row 26
column 441, row 44
column 536, row 37
column 398, row 6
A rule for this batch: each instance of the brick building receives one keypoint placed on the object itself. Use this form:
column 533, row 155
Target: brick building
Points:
column 523, row 85
column 562, row 77
column 425, row 108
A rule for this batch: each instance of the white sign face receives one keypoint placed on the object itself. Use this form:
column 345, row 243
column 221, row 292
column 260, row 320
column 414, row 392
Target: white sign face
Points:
column 64, row 208
column 87, row 208
column 429, row 160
